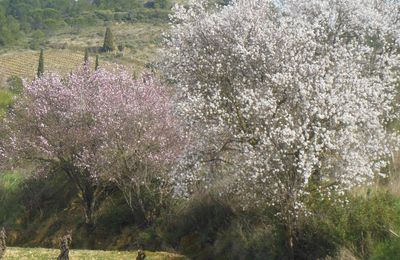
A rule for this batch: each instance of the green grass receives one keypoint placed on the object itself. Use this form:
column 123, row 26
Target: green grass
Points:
column 9, row 181
column 6, row 99
column 9, row 187
column 17, row 253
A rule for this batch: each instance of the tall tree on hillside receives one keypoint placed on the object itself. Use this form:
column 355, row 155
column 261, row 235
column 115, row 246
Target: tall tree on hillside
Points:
column 86, row 58
column 108, row 41
column 40, row 69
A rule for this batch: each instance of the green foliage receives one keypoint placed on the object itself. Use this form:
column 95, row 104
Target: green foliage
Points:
column 161, row 4
column 10, row 193
column 210, row 228
column 9, row 29
column 45, row 19
column 114, row 214
column 369, row 221
column 121, row 16
column 387, row 250
column 195, row 227
column 37, row 40
column 15, row 84
column 108, row 41
column 6, row 99
column 85, row 19
column 40, row 69
column 247, row 238
column 358, row 223
column 119, row 5
column 105, row 15
column 25, row 17
column 205, row 227
column 149, row 15
column 24, row 214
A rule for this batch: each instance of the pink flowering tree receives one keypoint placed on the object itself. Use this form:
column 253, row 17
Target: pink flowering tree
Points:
column 285, row 97
column 96, row 127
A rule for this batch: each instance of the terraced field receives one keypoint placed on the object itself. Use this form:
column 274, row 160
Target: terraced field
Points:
column 24, row 64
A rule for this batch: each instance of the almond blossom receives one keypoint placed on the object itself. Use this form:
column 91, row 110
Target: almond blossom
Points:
column 282, row 96
column 95, row 126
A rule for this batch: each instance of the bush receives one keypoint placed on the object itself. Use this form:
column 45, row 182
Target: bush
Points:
column 387, row 250
column 6, row 99
column 149, row 15
column 195, row 226
column 38, row 40
column 369, row 221
column 105, row 15
column 121, row 16
column 359, row 224
column 15, row 84
column 248, row 238
column 9, row 197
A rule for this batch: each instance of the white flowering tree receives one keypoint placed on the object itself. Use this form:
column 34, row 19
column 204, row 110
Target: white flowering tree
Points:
column 284, row 96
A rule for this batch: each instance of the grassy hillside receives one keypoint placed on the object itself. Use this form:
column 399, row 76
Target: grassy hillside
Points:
column 138, row 41
column 42, row 253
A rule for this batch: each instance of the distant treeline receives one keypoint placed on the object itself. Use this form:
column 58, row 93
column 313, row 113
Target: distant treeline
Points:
column 21, row 18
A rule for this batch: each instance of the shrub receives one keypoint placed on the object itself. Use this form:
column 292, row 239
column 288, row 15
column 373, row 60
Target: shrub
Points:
column 248, row 237
column 9, row 197
column 359, row 224
column 38, row 40
column 6, row 99
column 105, row 15
column 387, row 250
column 196, row 224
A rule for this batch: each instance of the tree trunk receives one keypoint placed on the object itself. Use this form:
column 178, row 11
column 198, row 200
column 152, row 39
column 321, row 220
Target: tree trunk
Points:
column 290, row 245
column 290, row 239
column 89, row 203
column 87, row 191
column 88, row 210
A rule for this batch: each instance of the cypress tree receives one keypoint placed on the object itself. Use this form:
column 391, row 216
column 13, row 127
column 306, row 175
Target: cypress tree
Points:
column 86, row 58
column 40, row 69
column 96, row 65
column 108, row 41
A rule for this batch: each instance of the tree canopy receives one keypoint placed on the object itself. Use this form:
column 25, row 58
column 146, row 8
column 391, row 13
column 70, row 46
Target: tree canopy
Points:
column 285, row 98
column 92, row 126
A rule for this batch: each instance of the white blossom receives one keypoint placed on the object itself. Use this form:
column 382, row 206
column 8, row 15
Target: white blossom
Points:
column 276, row 95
